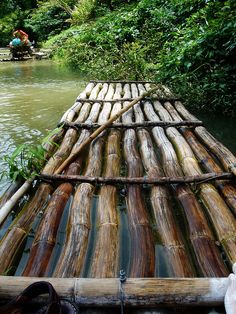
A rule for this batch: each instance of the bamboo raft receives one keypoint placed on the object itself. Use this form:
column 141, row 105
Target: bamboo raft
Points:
column 135, row 183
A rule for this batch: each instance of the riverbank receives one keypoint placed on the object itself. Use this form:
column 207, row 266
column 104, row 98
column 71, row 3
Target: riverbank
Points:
column 189, row 46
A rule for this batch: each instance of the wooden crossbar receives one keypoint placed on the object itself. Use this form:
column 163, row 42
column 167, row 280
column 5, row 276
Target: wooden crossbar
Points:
column 139, row 180
column 164, row 124
column 162, row 99
column 124, row 82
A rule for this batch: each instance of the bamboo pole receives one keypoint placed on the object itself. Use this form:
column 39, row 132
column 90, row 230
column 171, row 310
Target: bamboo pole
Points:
column 67, row 143
column 155, row 180
column 10, row 203
column 45, row 237
column 227, row 159
column 101, row 129
column 12, row 188
column 105, row 254
column 138, row 292
column 71, row 112
column 71, row 262
column 178, row 261
column 216, row 207
column 142, row 243
column 200, row 237
column 206, row 161
column 134, row 124
column 160, row 98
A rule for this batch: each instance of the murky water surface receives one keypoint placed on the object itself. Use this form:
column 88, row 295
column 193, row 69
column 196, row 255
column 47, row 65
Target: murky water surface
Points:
column 33, row 97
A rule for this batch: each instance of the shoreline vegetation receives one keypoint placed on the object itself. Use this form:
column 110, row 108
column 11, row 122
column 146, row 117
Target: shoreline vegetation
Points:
column 188, row 45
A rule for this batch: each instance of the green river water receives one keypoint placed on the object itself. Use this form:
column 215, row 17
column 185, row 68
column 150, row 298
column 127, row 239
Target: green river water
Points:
column 33, row 97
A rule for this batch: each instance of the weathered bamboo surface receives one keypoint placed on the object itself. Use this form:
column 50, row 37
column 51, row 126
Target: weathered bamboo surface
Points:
column 172, row 180
column 200, row 235
column 179, row 264
column 138, row 292
column 142, row 242
column 71, row 262
column 105, row 256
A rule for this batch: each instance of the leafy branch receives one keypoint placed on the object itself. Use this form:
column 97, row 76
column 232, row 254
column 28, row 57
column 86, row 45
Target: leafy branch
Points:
column 27, row 161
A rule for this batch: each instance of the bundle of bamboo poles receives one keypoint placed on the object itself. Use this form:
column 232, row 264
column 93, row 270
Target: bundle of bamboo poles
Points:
column 160, row 156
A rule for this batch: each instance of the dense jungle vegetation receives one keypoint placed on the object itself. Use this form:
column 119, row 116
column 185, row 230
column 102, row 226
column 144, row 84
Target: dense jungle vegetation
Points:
column 190, row 45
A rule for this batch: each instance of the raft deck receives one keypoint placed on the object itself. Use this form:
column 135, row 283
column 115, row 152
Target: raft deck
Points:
column 153, row 194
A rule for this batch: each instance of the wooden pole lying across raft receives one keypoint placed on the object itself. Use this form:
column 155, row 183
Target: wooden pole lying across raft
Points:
column 144, row 124
column 154, row 180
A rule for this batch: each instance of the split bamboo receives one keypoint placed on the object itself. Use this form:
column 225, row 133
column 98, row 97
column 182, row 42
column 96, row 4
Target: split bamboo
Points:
column 160, row 98
column 105, row 254
column 216, row 207
column 178, row 262
column 222, row 218
column 70, row 263
column 138, row 292
column 142, row 257
column 204, row 158
column 227, row 159
column 209, row 264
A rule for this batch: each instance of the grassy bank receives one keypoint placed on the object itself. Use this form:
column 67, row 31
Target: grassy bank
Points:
column 187, row 44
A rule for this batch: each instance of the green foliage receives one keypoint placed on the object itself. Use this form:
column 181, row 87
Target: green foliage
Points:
column 27, row 161
column 9, row 23
column 48, row 20
column 198, row 59
column 83, row 11
column 12, row 16
column 189, row 45
column 186, row 44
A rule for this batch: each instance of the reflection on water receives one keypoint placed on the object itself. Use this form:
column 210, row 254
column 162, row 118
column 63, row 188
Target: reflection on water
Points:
column 33, row 97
